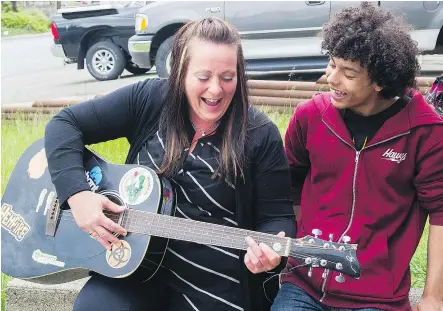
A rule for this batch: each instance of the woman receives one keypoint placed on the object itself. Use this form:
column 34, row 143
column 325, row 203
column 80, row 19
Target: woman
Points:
column 225, row 158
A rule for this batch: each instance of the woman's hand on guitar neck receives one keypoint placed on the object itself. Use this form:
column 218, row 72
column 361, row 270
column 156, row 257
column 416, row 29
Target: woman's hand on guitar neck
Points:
column 260, row 257
column 87, row 208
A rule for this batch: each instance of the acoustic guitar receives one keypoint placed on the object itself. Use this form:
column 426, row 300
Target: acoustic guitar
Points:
column 41, row 241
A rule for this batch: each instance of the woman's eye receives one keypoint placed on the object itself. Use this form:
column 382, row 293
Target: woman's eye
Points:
column 228, row 78
column 203, row 78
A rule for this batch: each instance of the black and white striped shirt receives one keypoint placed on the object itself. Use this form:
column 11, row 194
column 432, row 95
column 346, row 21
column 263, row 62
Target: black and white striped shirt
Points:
column 207, row 276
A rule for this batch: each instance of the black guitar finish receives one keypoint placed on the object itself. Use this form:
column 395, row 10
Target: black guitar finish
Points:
column 28, row 253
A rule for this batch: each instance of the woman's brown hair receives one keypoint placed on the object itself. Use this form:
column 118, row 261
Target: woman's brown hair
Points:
column 233, row 124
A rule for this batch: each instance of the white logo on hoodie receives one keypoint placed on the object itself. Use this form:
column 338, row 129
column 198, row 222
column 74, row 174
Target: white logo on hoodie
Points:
column 394, row 156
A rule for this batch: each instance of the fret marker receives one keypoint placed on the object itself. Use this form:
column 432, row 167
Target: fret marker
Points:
column 276, row 246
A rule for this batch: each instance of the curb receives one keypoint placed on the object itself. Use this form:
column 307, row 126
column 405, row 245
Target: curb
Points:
column 36, row 35
column 54, row 102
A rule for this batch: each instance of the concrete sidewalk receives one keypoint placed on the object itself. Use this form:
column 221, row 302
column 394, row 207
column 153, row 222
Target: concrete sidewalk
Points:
column 28, row 296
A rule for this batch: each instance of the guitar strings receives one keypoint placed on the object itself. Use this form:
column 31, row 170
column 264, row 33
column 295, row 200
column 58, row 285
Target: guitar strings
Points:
column 295, row 254
column 262, row 237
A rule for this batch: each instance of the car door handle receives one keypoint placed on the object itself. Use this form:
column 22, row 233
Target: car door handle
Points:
column 213, row 10
column 315, row 2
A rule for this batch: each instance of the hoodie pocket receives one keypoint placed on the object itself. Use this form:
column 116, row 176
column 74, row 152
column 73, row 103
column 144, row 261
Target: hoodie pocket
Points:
column 376, row 280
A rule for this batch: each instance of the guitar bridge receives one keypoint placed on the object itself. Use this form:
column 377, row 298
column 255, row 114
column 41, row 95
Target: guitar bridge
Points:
column 52, row 217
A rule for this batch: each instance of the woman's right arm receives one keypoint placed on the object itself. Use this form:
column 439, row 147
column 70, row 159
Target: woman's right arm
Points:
column 109, row 117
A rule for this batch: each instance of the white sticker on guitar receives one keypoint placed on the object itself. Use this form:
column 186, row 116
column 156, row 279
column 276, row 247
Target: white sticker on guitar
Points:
column 136, row 185
column 46, row 259
column 119, row 255
column 14, row 223
column 38, row 165
column 40, row 199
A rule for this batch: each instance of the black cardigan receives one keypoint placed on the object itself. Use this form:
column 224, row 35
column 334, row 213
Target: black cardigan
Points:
column 133, row 112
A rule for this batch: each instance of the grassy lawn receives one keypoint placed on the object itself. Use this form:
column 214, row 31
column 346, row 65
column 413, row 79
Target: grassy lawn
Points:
column 18, row 134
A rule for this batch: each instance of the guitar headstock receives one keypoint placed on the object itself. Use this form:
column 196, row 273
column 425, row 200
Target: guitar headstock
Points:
column 318, row 253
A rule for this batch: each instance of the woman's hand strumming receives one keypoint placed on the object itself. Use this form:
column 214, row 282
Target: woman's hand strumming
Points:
column 87, row 208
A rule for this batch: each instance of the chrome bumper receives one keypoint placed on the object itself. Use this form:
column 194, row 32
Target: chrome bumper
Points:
column 140, row 51
column 57, row 50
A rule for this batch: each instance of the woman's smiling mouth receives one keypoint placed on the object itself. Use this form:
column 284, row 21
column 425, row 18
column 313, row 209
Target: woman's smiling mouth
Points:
column 211, row 102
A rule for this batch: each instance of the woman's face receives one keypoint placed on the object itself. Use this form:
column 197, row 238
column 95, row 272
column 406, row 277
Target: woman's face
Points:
column 211, row 80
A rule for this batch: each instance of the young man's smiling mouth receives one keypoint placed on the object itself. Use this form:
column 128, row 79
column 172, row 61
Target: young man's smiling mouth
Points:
column 338, row 94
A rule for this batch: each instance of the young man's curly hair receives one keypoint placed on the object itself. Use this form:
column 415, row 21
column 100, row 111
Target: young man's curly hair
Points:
column 378, row 40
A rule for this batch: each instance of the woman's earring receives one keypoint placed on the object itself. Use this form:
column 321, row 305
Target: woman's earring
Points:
column 378, row 89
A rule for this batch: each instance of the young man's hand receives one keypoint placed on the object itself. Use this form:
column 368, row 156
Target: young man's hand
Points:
column 428, row 304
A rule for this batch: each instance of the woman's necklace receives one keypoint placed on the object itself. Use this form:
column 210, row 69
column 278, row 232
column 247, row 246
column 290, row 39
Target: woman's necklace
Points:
column 210, row 130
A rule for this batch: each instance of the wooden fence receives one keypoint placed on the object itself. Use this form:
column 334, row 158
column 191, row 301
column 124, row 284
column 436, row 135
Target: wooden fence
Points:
column 280, row 96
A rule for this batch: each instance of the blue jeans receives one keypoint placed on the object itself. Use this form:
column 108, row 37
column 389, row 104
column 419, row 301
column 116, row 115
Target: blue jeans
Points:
column 293, row 298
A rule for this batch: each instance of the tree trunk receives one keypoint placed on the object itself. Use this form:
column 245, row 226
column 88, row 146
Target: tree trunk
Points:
column 14, row 6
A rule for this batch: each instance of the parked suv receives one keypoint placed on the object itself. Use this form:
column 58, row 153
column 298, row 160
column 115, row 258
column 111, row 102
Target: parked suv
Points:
column 277, row 36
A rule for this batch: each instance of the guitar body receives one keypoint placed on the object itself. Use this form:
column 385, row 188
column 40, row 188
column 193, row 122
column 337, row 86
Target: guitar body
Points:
column 38, row 248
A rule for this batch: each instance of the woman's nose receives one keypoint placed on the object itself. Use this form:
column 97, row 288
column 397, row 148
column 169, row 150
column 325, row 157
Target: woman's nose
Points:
column 215, row 87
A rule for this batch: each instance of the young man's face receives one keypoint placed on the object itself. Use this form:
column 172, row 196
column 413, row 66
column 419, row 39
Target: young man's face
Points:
column 351, row 87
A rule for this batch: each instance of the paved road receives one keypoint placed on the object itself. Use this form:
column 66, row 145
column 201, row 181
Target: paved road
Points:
column 29, row 72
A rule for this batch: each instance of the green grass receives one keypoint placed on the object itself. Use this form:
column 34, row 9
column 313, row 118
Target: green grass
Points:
column 24, row 21
column 18, row 134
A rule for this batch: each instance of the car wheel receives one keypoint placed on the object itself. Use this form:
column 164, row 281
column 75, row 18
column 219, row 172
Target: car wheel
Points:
column 163, row 58
column 134, row 69
column 105, row 60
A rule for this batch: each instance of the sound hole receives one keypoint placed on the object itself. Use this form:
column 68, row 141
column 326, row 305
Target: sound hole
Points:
column 115, row 198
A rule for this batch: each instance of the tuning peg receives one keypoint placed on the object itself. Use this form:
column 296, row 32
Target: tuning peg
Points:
column 339, row 278
column 331, row 237
column 323, row 262
column 346, row 239
column 338, row 266
column 316, row 232
column 310, row 272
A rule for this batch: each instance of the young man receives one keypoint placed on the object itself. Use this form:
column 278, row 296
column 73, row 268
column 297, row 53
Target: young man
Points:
column 367, row 168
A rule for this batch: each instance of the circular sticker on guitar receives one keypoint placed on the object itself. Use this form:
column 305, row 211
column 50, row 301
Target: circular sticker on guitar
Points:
column 136, row 185
column 119, row 255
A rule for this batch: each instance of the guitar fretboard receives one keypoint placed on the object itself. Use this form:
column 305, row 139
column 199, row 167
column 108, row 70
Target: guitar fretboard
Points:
column 141, row 222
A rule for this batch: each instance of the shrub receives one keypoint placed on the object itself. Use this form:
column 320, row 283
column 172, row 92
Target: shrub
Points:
column 32, row 20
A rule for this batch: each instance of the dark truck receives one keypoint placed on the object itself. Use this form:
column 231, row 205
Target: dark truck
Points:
column 97, row 35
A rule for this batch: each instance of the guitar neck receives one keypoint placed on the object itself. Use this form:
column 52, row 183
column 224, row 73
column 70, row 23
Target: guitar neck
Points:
column 141, row 222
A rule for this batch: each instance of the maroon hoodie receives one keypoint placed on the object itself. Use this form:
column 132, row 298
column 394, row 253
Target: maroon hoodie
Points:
column 379, row 197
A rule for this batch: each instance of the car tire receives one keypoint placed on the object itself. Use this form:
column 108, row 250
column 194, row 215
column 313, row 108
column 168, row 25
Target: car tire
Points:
column 162, row 57
column 134, row 69
column 105, row 60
